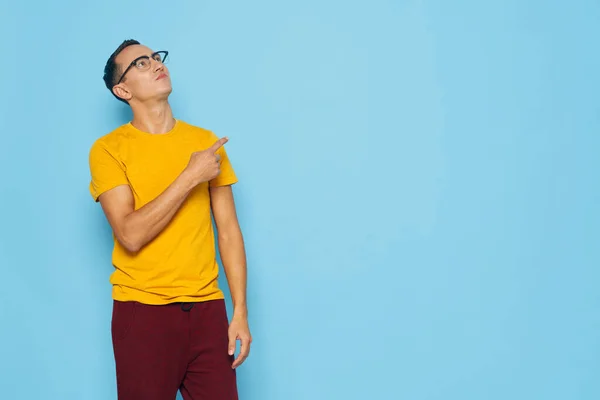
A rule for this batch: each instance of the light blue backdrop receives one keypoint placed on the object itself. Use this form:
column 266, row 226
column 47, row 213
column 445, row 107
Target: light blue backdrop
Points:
column 418, row 191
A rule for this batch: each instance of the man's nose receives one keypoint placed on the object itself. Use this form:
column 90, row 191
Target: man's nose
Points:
column 158, row 66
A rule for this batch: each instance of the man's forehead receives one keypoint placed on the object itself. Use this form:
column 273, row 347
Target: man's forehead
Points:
column 132, row 52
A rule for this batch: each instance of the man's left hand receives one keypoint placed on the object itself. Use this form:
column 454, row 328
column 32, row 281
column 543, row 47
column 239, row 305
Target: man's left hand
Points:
column 239, row 330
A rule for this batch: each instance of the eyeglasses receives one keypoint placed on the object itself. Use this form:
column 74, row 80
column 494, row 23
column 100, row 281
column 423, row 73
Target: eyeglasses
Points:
column 143, row 63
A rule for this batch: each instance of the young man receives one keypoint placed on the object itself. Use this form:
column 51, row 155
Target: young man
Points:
column 157, row 179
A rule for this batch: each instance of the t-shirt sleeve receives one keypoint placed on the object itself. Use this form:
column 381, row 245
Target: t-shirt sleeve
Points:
column 227, row 175
column 106, row 170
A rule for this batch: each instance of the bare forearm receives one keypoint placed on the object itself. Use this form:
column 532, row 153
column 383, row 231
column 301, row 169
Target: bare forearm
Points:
column 144, row 224
column 233, row 255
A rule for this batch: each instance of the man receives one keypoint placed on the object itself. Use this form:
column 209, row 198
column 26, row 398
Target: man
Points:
column 157, row 179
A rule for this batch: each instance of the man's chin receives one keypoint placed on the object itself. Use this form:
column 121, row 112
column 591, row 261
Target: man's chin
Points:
column 164, row 94
column 159, row 95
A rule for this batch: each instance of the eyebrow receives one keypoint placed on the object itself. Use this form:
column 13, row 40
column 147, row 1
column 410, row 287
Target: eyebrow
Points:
column 143, row 55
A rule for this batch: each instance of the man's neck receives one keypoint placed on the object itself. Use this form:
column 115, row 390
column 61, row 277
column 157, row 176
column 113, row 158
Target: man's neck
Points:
column 154, row 118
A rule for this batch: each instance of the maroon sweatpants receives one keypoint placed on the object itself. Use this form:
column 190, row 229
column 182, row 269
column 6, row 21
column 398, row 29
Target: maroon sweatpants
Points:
column 182, row 346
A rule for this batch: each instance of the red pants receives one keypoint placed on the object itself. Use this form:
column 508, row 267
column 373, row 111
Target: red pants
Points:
column 162, row 349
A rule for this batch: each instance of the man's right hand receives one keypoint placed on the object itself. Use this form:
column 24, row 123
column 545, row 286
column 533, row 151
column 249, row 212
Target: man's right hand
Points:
column 205, row 165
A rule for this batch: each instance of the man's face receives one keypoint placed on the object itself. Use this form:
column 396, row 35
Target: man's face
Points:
column 153, row 83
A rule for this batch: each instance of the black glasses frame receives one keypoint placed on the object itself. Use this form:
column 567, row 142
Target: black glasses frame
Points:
column 163, row 54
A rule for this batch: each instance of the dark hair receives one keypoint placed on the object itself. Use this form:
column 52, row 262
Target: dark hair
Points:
column 112, row 70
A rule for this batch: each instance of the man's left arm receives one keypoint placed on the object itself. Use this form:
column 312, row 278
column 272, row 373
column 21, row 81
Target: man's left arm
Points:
column 233, row 256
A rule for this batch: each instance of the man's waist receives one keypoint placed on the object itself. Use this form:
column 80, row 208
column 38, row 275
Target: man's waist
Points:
column 165, row 297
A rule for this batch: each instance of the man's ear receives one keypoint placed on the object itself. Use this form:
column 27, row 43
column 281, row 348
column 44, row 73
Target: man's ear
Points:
column 122, row 92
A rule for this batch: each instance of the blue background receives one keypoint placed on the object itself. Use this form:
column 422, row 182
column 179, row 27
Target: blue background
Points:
column 418, row 191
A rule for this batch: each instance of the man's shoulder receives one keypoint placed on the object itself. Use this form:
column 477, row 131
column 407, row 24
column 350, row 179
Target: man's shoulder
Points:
column 110, row 140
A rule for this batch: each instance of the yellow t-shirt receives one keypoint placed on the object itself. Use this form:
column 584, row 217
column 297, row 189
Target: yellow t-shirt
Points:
column 180, row 263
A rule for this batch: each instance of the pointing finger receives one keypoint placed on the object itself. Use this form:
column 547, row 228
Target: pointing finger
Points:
column 218, row 144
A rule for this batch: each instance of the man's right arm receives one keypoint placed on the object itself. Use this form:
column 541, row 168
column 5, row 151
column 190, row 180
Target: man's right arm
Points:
column 135, row 228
